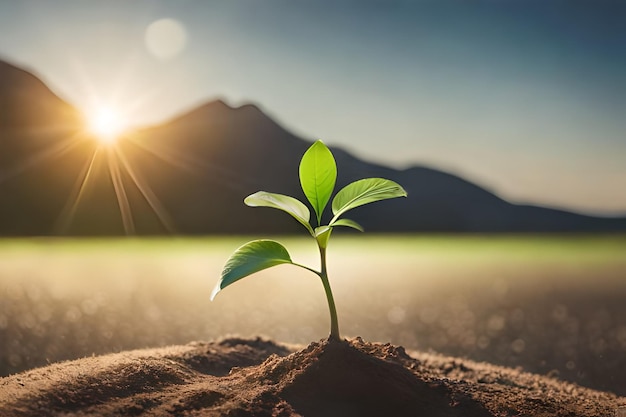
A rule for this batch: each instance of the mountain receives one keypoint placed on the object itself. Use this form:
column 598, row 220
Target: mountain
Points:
column 190, row 175
column 39, row 156
column 27, row 103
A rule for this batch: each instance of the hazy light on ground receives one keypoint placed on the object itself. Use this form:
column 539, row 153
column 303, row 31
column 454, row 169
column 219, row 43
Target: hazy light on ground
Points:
column 515, row 301
column 165, row 38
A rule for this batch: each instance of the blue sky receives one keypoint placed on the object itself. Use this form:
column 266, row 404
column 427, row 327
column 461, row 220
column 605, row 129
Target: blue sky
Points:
column 526, row 98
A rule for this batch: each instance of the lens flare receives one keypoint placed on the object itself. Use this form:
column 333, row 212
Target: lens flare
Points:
column 107, row 125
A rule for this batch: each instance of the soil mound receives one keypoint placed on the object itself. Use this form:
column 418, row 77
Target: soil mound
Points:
column 241, row 377
column 344, row 379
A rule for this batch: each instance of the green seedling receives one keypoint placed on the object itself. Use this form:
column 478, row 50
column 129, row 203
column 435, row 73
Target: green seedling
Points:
column 318, row 173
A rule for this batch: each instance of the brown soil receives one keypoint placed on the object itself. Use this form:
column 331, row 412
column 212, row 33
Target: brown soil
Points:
column 239, row 377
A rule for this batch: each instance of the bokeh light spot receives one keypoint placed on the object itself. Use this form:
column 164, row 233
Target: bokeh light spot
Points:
column 396, row 315
column 165, row 38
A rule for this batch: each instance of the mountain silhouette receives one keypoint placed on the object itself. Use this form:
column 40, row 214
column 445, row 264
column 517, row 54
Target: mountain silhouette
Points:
column 191, row 174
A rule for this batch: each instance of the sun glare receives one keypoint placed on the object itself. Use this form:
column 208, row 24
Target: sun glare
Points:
column 106, row 125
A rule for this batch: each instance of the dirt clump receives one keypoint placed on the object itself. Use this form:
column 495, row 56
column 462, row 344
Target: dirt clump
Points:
column 255, row 377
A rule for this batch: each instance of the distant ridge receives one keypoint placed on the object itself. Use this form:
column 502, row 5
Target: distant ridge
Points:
column 26, row 102
column 194, row 171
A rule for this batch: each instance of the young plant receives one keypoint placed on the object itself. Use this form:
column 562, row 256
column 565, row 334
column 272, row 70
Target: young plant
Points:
column 318, row 173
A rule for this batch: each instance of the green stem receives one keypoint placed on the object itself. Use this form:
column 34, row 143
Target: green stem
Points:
column 334, row 323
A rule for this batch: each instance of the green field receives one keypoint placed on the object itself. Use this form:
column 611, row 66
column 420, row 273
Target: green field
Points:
column 550, row 304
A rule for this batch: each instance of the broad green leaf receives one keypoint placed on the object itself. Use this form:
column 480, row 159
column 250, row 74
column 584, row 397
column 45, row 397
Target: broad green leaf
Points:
column 288, row 204
column 318, row 173
column 348, row 223
column 364, row 191
column 252, row 257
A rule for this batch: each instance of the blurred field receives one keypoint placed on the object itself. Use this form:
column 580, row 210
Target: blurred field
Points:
column 547, row 304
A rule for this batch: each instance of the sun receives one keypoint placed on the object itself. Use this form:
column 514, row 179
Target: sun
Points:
column 107, row 125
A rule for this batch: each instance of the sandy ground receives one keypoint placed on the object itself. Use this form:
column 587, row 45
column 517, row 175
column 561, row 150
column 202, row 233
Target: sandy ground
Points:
column 257, row 377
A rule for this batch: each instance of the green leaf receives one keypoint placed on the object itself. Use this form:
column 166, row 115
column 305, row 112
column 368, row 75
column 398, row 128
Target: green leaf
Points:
column 362, row 192
column 288, row 204
column 348, row 223
column 318, row 173
column 252, row 257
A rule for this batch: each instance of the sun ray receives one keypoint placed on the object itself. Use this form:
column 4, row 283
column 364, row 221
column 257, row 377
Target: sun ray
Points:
column 53, row 151
column 120, row 193
column 151, row 198
column 177, row 160
column 69, row 210
column 195, row 166
column 108, row 115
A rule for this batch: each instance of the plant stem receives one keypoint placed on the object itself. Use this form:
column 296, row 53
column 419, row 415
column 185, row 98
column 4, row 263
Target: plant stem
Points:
column 334, row 323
